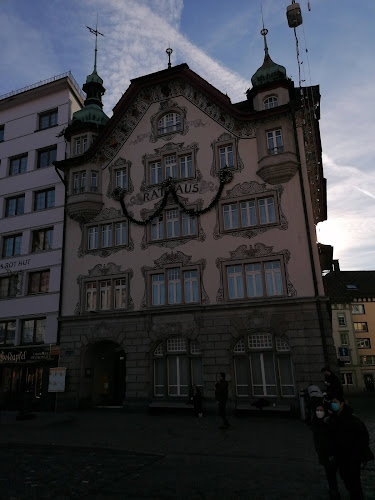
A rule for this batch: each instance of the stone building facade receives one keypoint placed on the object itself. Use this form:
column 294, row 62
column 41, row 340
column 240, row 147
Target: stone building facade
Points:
column 190, row 245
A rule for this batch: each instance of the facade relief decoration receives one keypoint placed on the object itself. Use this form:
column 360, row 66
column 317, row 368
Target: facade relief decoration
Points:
column 175, row 258
column 105, row 215
column 168, row 106
column 249, row 188
column 225, row 139
column 259, row 250
column 101, row 271
column 120, row 162
column 173, row 243
column 158, row 93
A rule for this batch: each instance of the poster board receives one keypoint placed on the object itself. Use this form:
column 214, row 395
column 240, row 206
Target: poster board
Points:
column 56, row 381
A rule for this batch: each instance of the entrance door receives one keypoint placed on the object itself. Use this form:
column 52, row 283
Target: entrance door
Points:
column 103, row 382
column 369, row 381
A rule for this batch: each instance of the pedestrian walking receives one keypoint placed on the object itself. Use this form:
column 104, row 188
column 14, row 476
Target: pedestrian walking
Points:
column 350, row 446
column 195, row 398
column 323, row 443
column 221, row 394
column 333, row 384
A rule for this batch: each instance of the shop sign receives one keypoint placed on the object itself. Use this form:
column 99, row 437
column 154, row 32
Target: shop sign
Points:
column 14, row 264
column 20, row 356
column 56, row 379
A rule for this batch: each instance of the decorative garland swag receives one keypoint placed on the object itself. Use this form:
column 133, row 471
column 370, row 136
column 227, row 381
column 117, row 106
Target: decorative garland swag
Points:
column 225, row 176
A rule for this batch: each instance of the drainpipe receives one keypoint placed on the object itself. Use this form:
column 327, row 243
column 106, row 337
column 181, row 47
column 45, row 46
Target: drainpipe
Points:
column 312, row 263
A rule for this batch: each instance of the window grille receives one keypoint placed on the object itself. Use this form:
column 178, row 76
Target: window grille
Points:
column 240, row 346
column 260, row 341
column 177, row 344
column 281, row 345
column 159, row 350
column 194, row 348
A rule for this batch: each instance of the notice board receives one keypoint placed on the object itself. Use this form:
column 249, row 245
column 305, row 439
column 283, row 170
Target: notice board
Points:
column 56, row 379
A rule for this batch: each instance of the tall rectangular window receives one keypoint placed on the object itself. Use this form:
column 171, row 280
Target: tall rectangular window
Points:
column 42, row 239
column 191, row 286
column 12, row 245
column 8, row 286
column 93, row 242
column 171, row 166
column 105, row 294
column 254, row 283
column 79, row 182
column 44, row 199
column 90, row 304
column 266, row 210
column 18, row 165
column 107, row 235
column 275, row 142
column 157, row 228
column 1, row 133
column 188, row 225
column 248, row 214
column 174, row 286
column 156, row 175
column 94, row 182
column 120, row 293
column 46, row 157
column 80, row 145
column 235, row 282
column 15, row 205
column 39, row 282
column 158, row 290
column 122, row 178
column 121, row 233
column 33, row 331
column 173, row 223
column 186, row 166
column 230, row 216
column 273, row 278
column 341, row 319
column 7, row 332
column 226, row 156
column 48, row 119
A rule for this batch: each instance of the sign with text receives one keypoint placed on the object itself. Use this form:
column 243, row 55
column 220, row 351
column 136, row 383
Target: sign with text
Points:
column 56, row 379
column 344, row 354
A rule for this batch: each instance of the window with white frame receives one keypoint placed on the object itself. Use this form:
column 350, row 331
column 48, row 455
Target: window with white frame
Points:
column 177, row 366
column 245, row 213
column 172, row 223
column 79, row 182
column 364, row 343
column 347, row 378
column 263, row 367
column 255, row 279
column 271, row 102
column 344, row 339
column 275, row 142
column 121, row 177
column 107, row 235
column 94, row 181
column 360, row 326
column 169, row 123
column 341, row 319
column 33, row 331
column 226, row 158
column 177, row 166
column 175, row 285
column 368, row 359
column 358, row 309
column 106, row 294
column 80, row 145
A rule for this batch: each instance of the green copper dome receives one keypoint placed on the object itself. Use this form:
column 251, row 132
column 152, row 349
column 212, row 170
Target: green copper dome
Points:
column 268, row 72
column 94, row 77
column 91, row 113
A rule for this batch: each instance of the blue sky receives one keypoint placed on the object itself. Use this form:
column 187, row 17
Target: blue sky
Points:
column 221, row 42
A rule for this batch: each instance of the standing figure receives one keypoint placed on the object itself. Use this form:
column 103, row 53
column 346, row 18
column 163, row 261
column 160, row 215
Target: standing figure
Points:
column 221, row 394
column 323, row 442
column 195, row 398
column 333, row 384
column 350, row 446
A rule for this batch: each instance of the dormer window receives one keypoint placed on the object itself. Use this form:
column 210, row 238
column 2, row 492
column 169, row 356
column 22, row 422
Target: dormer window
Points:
column 80, row 145
column 271, row 102
column 168, row 123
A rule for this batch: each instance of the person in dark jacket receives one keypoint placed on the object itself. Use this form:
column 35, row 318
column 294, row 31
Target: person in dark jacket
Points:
column 195, row 398
column 221, row 394
column 333, row 384
column 350, row 445
column 323, row 443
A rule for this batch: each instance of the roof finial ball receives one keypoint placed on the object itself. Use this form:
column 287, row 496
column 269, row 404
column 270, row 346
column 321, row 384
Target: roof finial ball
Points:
column 169, row 52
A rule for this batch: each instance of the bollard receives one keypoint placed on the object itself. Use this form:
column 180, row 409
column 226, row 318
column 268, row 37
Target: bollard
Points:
column 302, row 404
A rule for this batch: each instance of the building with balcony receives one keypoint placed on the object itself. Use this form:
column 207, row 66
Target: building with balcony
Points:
column 32, row 197
column 352, row 296
column 190, row 245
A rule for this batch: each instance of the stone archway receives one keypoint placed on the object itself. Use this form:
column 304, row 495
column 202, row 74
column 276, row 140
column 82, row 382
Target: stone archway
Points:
column 103, row 373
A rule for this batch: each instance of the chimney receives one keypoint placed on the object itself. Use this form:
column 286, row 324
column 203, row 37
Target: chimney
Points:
column 336, row 265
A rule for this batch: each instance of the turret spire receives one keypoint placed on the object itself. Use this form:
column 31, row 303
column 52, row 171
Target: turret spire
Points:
column 96, row 33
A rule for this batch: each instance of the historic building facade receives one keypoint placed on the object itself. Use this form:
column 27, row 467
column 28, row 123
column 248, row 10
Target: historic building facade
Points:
column 190, row 244
column 352, row 296
column 31, row 234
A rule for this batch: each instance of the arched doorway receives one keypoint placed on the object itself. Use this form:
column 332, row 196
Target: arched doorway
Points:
column 103, row 374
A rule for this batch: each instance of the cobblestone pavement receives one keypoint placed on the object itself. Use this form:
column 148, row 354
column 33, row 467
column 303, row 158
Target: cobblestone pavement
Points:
column 118, row 455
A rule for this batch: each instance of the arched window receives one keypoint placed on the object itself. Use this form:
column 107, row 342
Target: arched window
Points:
column 263, row 367
column 271, row 102
column 168, row 123
column 177, row 366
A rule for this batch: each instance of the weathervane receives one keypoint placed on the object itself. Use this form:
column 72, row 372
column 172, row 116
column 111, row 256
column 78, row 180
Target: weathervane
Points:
column 264, row 32
column 96, row 33
column 169, row 52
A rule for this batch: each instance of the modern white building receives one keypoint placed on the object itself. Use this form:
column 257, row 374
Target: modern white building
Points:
column 32, row 195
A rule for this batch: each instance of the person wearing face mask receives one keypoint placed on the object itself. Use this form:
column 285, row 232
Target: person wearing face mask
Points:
column 323, row 443
column 350, row 446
